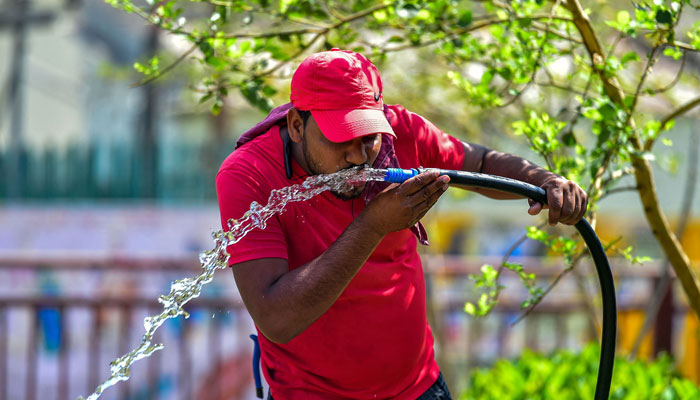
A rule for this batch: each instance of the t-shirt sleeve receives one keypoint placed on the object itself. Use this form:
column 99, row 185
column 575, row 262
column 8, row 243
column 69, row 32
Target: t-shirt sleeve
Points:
column 433, row 147
column 236, row 190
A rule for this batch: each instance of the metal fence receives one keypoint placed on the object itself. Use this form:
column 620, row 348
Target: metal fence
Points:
column 183, row 171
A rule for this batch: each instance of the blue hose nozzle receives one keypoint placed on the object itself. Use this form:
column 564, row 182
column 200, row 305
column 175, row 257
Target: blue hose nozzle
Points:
column 398, row 175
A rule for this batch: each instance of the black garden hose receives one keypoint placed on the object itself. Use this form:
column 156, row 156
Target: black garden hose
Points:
column 607, row 285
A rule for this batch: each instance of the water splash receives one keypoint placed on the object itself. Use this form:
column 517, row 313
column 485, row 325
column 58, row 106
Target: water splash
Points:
column 184, row 290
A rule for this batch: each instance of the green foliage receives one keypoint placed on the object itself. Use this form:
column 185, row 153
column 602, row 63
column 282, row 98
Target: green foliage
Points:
column 488, row 279
column 565, row 375
column 560, row 245
column 149, row 68
column 488, row 282
column 529, row 281
column 626, row 252
column 526, row 62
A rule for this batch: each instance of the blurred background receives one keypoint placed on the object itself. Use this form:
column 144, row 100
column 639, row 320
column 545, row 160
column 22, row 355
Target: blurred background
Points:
column 107, row 195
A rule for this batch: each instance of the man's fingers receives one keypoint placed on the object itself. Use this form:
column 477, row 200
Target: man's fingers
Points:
column 575, row 209
column 584, row 206
column 430, row 201
column 413, row 185
column 566, row 201
column 567, row 207
column 428, row 192
column 579, row 202
column 535, row 208
column 555, row 200
column 573, row 206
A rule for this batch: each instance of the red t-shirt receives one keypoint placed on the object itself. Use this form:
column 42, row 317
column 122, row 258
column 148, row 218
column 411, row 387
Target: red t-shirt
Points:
column 374, row 342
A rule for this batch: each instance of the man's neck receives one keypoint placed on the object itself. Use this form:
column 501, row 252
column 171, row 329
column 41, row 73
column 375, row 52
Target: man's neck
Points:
column 297, row 153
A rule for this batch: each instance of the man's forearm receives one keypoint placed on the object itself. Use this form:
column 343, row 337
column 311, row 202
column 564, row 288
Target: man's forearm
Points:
column 566, row 200
column 302, row 295
column 514, row 167
column 482, row 159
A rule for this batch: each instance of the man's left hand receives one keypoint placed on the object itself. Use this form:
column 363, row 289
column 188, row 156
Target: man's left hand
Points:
column 566, row 201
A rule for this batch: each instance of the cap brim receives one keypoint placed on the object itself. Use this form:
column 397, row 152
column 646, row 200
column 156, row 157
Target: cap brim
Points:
column 344, row 125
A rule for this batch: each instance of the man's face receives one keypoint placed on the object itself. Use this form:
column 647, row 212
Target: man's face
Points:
column 324, row 157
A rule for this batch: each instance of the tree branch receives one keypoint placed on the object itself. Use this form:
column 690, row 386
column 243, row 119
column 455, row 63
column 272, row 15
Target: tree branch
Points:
column 322, row 32
column 552, row 84
column 540, row 51
column 684, row 46
column 675, row 80
column 165, row 70
column 557, row 33
column 673, row 115
column 689, row 194
column 622, row 189
column 257, row 35
column 650, row 64
column 471, row 28
column 335, row 14
column 513, row 247
column 550, row 287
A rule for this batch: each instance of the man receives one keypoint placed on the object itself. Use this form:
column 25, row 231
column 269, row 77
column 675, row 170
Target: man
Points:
column 335, row 285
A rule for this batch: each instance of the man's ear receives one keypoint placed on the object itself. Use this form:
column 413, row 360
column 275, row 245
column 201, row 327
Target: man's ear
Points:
column 295, row 125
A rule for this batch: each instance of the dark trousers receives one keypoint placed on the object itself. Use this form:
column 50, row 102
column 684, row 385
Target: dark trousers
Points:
column 438, row 391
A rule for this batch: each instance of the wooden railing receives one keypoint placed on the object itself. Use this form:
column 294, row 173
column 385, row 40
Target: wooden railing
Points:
column 58, row 346
column 57, row 343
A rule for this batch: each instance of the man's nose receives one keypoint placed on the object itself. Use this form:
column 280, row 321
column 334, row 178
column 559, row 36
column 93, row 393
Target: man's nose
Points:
column 357, row 152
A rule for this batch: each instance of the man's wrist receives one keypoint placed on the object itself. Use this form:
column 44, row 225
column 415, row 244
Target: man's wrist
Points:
column 366, row 228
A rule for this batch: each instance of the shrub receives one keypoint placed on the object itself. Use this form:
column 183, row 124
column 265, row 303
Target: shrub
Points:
column 565, row 375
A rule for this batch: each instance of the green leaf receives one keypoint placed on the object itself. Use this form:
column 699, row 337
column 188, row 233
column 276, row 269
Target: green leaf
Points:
column 216, row 62
column 629, row 56
column 206, row 97
column 465, row 19
column 380, row 15
column 470, row 309
column 623, row 18
column 205, row 48
column 535, row 233
column 592, row 114
column 663, row 16
column 569, row 139
column 217, row 106
column 674, row 52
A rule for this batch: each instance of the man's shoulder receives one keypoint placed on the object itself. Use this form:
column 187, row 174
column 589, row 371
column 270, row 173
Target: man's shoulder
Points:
column 400, row 117
column 395, row 113
column 262, row 154
column 406, row 124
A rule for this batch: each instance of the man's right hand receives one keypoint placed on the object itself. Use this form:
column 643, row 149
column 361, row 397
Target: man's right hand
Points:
column 402, row 206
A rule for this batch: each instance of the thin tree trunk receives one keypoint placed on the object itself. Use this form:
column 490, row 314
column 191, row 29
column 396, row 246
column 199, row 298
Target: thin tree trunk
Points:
column 642, row 168
column 664, row 284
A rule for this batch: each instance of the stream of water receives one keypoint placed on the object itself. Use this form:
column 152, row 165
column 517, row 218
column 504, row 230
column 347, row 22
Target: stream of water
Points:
column 184, row 290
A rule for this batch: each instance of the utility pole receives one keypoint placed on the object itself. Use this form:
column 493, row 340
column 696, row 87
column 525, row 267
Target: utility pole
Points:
column 18, row 19
column 148, row 141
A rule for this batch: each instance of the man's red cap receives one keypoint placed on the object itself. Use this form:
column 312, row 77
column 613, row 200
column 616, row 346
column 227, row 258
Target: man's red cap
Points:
column 343, row 91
